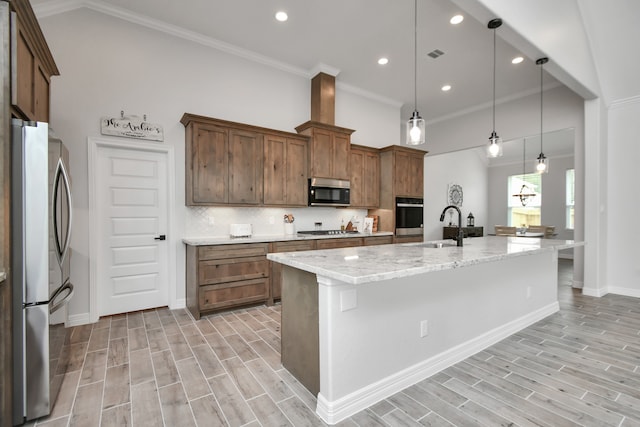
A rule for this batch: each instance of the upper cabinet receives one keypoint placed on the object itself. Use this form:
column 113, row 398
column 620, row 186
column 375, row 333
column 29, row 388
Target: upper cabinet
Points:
column 32, row 65
column 329, row 148
column 409, row 173
column 228, row 163
column 402, row 174
column 365, row 177
column 285, row 171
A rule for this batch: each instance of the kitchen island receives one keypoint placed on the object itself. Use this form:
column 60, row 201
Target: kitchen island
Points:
column 360, row 324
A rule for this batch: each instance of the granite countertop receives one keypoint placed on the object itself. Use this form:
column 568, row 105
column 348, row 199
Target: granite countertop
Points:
column 226, row 240
column 375, row 263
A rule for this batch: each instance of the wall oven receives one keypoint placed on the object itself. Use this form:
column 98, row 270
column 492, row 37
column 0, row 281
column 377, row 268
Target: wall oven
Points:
column 409, row 216
column 329, row 192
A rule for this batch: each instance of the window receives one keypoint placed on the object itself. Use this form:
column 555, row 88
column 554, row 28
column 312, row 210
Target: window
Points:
column 524, row 216
column 570, row 183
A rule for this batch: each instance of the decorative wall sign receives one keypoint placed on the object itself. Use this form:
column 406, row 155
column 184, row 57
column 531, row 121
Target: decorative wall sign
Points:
column 131, row 127
column 454, row 195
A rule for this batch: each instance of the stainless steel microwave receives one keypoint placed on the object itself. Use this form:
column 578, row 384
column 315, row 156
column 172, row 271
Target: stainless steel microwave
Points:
column 329, row 192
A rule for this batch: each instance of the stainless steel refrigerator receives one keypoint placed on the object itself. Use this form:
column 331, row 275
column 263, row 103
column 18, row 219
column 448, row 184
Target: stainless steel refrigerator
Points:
column 41, row 231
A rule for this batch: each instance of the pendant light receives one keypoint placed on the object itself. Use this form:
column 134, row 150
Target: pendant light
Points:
column 415, row 125
column 542, row 166
column 524, row 195
column 495, row 142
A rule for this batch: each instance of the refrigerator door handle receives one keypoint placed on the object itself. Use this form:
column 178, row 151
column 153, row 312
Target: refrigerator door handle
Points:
column 55, row 305
column 61, row 177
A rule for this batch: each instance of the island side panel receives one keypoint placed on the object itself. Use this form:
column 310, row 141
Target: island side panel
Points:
column 299, row 327
column 371, row 351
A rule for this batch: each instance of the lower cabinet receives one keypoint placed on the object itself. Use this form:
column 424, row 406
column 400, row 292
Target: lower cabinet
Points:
column 408, row 239
column 348, row 242
column 378, row 240
column 221, row 277
column 225, row 276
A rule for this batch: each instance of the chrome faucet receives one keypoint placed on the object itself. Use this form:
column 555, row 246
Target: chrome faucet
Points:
column 460, row 230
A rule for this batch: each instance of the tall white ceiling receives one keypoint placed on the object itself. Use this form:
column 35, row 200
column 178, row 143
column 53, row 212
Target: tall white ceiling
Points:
column 349, row 36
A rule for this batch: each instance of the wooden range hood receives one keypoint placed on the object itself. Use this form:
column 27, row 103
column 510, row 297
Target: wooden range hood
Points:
column 323, row 99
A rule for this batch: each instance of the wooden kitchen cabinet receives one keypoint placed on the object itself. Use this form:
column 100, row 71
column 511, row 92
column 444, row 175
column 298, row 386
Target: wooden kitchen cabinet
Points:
column 229, row 163
column 226, row 276
column 223, row 163
column 365, row 177
column 409, row 173
column 378, row 240
column 344, row 242
column 32, row 65
column 329, row 148
column 245, row 167
column 285, row 170
column 276, row 267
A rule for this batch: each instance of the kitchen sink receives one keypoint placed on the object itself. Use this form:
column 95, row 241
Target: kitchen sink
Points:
column 437, row 245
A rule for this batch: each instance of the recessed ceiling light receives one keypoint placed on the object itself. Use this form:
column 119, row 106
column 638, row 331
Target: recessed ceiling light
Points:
column 282, row 16
column 446, row 88
column 456, row 19
column 517, row 60
column 383, row 61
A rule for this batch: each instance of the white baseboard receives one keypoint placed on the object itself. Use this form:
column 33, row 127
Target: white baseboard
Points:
column 595, row 292
column 627, row 292
column 333, row 412
column 78, row 319
column 577, row 284
column 178, row 303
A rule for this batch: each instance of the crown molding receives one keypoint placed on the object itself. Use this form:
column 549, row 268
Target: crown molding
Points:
column 486, row 105
column 369, row 95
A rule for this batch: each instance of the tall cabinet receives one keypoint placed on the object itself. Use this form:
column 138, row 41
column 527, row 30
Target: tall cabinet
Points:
column 26, row 67
column 401, row 175
column 329, row 148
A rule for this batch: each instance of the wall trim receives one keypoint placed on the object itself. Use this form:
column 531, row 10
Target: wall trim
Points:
column 94, row 145
column 333, row 412
column 622, row 103
column 627, row 292
column 594, row 292
column 78, row 320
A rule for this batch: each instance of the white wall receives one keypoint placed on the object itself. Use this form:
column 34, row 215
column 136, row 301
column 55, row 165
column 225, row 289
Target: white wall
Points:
column 467, row 168
column 108, row 65
column 623, row 269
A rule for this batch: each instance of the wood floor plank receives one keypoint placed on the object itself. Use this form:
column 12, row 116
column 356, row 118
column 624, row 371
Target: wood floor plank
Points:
column 267, row 412
column 193, row 381
column 275, row 387
column 243, row 378
column 234, row 407
column 207, row 412
column 86, row 408
column 208, row 361
column 299, row 414
column 240, row 346
column 119, row 416
column 145, row 405
column 116, row 387
column 157, row 340
column 95, row 365
column 165, row 368
column 175, row 406
column 221, row 348
column 141, row 367
column 179, row 346
column 118, row 352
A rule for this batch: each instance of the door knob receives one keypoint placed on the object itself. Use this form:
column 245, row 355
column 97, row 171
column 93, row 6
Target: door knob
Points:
column 160, row 237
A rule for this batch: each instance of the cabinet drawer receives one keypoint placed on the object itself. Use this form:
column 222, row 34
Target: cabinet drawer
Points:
column 347, row 242
column 232, row 251
column 378, row 240
column 304, row 245
column 232, row 270
column 232, row 294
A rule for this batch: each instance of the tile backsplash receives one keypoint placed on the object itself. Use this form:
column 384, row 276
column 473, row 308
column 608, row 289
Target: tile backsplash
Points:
column 214, row 221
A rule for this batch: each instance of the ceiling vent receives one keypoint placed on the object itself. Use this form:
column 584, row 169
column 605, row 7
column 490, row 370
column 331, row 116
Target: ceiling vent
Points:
column 435, row 53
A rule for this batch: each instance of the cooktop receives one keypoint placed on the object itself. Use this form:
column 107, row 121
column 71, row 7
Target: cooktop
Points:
column 327, row 232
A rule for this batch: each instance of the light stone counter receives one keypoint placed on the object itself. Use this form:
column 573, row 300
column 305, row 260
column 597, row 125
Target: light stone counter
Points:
column 375, row 263
column 226, row 240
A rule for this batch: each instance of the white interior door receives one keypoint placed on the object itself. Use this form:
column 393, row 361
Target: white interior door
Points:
column 132, row 209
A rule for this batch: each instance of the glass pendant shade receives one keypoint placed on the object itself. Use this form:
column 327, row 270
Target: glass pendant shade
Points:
column 542, row 166
column 495, row 145
column 494, row 149
column 415, row 129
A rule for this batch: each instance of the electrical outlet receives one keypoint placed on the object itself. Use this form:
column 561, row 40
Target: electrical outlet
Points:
column 528, row 292
column 424, row 328
column 272, row 220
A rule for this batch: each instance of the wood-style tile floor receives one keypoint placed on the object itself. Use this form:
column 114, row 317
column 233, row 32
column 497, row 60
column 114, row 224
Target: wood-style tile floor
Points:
column 159, row 367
